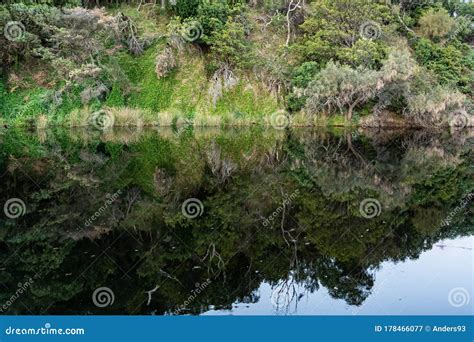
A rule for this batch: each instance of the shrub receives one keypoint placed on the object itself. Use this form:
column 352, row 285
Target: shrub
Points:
column 230, row 46
column 212, row 16
column 186, row 8
column 436, row 23
column 165, row 62
column 302, row 76
column 339, row 86
column 432, row 107
column 328, row 31
column 452, row 65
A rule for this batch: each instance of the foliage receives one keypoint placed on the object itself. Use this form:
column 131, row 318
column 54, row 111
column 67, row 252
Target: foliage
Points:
column 339, row 86
column 74, row 60
column 229, row 45
column 149, row 93
column 186, row 8
column 433, row 106
column 302, row 76
column 212, row 15
column 453, row 65
column 436, row 24
column 333, row 31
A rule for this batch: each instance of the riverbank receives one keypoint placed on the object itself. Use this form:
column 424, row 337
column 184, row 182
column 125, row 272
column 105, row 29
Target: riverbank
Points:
column 143, row 67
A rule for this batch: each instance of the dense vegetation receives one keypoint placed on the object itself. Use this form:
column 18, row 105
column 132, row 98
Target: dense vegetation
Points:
column 203, row 62
column 142, row 241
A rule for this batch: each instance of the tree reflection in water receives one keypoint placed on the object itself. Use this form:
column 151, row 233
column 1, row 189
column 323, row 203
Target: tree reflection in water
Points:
column 277, row 207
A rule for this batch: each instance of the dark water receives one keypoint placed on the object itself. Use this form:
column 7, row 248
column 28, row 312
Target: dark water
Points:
column 177, row 221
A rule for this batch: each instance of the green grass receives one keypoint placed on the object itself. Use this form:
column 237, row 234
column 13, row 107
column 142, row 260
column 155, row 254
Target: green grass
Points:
column 243, row 101
column 19, row 106
column 151, row 93
column 115, row 97
column 183, row 94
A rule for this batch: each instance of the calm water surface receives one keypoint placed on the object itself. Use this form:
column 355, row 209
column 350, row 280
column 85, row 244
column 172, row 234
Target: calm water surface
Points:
column 236, row 222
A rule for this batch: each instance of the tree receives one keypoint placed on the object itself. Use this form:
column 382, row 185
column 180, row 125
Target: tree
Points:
column 432, row 107
column 436, row 24
column 337, row 25
column 340, row 86
column 230, row 45
column 452, row 64
column 186, row 8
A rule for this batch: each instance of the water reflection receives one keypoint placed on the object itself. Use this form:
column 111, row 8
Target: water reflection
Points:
column 275, row 212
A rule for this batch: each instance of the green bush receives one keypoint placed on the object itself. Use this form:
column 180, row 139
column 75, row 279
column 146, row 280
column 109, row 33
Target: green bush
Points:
column 58, row 3
column 302, row 76
column 212, row 16
column 329, row 35
column 229, row 45
column 452, row 65
column 186, row 8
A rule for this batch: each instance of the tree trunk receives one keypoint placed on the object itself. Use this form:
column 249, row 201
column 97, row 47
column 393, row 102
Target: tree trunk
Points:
column 351, row 109
column 349, row 112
